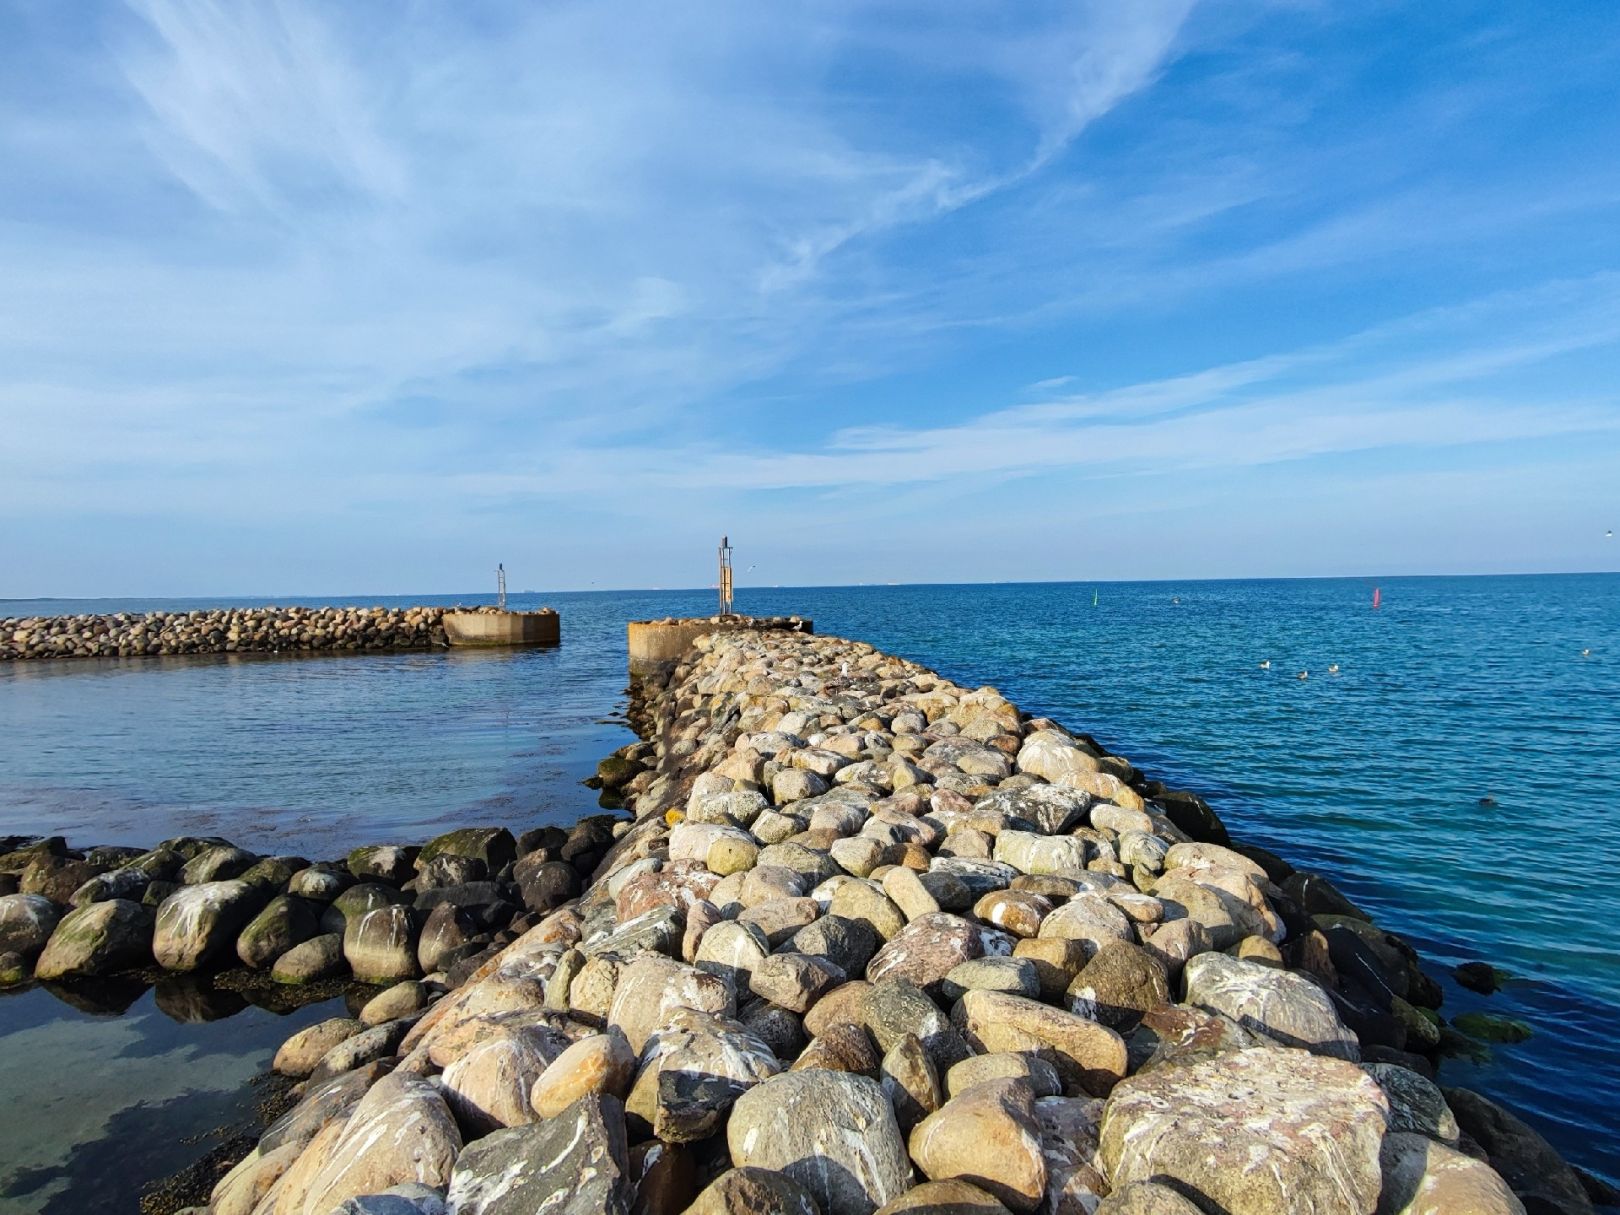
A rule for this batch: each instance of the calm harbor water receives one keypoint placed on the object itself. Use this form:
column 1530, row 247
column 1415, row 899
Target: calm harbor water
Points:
column 1455, row 690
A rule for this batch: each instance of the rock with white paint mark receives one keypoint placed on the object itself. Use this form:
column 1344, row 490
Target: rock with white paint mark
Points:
column 1028, row 852
column 380, row 946
column 1268, row 1131
column 652, row 987
column 600, row 1063
column 927, row 950
column 692, row 1072
column 400, row 1131
column 97, row 939
column 488, row 1087
column 26, row 923
column 576, row 1163
column 987, row 1136
column 198, row 924
column 833, row 1133
column 1283, row 1006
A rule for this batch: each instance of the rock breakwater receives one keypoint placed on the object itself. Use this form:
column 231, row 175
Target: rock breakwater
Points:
column 222, row 631
column 872, row 942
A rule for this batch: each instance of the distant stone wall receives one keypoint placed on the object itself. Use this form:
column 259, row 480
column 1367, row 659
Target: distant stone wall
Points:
column 223, row 631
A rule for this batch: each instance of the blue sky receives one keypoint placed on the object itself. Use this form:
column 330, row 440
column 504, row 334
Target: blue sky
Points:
column 364, row 298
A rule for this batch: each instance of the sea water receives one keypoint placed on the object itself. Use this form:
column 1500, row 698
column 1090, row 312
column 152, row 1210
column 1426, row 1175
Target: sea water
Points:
column 1456, row 776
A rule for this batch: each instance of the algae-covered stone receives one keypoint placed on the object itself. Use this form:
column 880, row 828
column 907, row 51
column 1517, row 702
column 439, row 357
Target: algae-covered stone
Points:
column 218, row 864
column 381, row 863
column 492, row 845
column 1484, row 1027
column 98, row 939
column 1268, row 1131
column 26, row 923
column 198, row 925
column 380, row 946
column 317, row 958
column 285, row 921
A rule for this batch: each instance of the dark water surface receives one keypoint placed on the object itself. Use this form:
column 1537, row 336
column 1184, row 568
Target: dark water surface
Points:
column 1456, row 689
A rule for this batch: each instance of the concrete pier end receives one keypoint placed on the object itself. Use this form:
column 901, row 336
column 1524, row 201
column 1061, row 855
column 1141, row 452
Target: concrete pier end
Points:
column 656, row 644
column 487, row 628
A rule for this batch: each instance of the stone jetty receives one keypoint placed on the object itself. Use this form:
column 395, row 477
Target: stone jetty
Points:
column 223, row 631
column 871, row 942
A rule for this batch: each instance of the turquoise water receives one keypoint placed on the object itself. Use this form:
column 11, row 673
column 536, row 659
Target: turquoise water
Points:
column 1456, row 689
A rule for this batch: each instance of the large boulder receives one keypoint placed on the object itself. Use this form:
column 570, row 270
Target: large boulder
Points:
column 286, row 920
column 988, row 1136
column 98, row 939
column 1087, row 1055
column 1267, row 1131
column 693, row 1069
column 1423, row 1177
column 380, row 946
column 652, row 986
column 832, row 1133
column 197, row 925
column 488, row 1086
column 400, row 1131
column 576, row 1163
column 1284, row 1006
column 1526, row 1161
column 753, row 1192
column 494, row 846
column 26, row 923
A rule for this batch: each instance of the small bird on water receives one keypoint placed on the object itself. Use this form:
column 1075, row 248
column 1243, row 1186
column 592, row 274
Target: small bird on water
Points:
column 1333, row 669
column 1265, row 664
column 1586, row 653
column 1487, row 800
column 1304, row 675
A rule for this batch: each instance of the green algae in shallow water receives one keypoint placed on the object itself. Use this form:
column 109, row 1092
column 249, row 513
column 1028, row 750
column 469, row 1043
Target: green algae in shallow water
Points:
column 1485, row 1028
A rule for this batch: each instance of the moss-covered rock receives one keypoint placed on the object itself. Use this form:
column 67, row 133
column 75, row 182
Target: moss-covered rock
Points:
column 287, row 920
column 382, row 863
column 492, row 845
column 1484, row 1027
column 98, row 939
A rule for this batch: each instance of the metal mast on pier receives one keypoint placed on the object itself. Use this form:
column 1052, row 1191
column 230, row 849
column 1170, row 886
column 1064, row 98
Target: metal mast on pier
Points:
column 725, row 575
column 500, row 585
